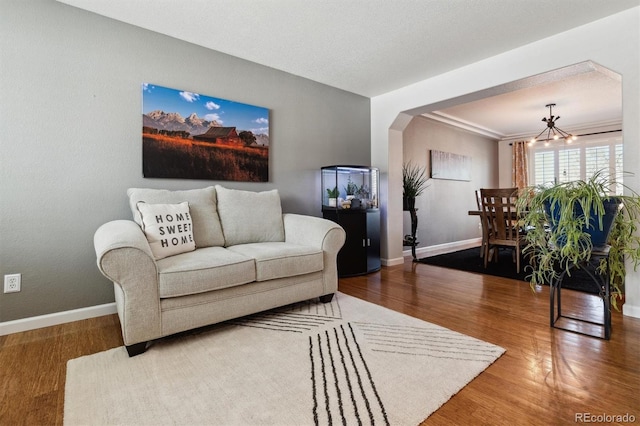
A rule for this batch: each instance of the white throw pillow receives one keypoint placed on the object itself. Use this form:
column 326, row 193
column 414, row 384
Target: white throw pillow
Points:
column 207, row 229
column 250, row 217
column 168, row 228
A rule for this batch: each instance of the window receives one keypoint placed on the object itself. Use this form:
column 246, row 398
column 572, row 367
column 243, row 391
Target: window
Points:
column 568, row 165
column 561, row 162
column 596, row 158
column 544, row 167
column 619, row 169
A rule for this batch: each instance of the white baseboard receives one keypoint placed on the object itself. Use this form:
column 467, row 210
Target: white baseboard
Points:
column 631, row 311
column 433, row 250
column 392, row 262
column 444, row 248
column 32, row 323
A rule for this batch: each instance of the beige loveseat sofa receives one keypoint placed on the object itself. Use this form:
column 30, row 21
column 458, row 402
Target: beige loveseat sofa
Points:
column 198, row 257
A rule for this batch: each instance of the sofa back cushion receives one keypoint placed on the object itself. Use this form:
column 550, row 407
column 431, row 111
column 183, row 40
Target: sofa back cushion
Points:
column 250, row 217
column 207, row 230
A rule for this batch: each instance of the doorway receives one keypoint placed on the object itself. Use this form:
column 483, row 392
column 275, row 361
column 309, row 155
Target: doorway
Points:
column 469, row 114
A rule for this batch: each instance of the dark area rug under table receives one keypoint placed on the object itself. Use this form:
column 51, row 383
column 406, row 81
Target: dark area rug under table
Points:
column 469, row 260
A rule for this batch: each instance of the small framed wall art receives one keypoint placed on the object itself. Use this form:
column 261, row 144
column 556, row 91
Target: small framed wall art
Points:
column 187, row 135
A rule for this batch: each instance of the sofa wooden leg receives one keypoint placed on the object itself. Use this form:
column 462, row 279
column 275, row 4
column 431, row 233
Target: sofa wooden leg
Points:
column 136, row 349
column 326, row 298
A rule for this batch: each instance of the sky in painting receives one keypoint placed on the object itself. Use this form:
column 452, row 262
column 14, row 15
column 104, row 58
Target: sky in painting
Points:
column 227, row 113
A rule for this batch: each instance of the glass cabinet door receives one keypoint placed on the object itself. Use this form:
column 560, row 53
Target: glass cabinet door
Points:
column 350, row 187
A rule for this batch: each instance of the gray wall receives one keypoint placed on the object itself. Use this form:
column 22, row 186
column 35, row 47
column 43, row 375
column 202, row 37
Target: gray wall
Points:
column 442, row 208
column 70, row 139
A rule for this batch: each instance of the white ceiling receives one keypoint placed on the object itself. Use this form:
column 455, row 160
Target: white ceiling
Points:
column 584, row 101
column 370, row 47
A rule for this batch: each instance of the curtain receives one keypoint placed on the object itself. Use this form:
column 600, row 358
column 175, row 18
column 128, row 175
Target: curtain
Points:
column 520, row 161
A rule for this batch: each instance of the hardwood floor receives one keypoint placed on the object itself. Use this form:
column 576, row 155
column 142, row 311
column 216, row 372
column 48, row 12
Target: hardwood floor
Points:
column 33, row 367
column 546, row 376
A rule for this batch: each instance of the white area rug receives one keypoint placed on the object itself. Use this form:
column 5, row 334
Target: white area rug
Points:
column 345, row 362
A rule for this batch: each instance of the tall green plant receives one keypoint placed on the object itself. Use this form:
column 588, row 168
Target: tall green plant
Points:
column 414, row 180
column 351, row 187
column 567, row 244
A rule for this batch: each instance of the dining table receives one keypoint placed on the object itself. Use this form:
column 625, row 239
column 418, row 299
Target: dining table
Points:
column 515, row 215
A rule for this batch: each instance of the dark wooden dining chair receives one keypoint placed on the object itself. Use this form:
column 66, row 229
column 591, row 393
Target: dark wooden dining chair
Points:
column 483, row 223
column 500, row 222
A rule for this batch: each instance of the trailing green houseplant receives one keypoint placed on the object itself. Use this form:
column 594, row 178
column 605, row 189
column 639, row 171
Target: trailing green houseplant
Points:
column 574, row 210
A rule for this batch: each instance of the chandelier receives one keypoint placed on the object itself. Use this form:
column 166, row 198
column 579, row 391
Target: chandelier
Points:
column 552, row 132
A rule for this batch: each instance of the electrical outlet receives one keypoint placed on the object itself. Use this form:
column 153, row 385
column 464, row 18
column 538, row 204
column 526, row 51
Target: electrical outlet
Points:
column 12, row 283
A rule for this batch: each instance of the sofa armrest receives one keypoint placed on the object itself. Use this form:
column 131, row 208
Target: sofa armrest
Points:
column 119, row 234
column 314, row 231
column 323, row 234
column 124, row 256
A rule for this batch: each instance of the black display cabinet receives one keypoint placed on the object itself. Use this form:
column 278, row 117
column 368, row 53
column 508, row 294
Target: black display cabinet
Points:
column 350, row 198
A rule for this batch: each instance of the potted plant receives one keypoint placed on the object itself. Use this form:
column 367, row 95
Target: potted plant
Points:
column 360, row 195
column 414, row 182
column 333, row 196
column 363, row 192
column 566, row 221
column 350, row 189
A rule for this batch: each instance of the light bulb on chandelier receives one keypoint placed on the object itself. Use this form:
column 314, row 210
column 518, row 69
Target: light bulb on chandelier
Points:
column 552, row 131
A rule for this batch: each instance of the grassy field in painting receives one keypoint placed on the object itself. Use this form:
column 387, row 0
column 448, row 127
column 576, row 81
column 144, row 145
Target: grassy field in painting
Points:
column 175, row 157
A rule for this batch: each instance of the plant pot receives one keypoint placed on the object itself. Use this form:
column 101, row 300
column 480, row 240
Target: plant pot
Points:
column 333, row 202
column 408, row 203
column 599, row 237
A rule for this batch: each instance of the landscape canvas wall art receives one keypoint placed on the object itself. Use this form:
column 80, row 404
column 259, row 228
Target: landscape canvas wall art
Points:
column 188, row 135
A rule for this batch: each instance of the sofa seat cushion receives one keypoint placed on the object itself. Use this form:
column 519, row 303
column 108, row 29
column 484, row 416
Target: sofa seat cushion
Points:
column 279, row 259
column 204, row 269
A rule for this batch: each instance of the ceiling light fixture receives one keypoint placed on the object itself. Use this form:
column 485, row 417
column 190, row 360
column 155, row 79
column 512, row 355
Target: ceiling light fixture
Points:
column 552, row 131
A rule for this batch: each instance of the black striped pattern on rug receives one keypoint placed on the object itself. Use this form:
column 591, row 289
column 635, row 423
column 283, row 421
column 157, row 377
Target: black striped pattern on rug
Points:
column 297, row 318
column 344, row 391
column 429, row 342
column 331, row 309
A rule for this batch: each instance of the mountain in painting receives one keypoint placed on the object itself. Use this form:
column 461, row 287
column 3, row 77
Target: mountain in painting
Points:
column 173, row 121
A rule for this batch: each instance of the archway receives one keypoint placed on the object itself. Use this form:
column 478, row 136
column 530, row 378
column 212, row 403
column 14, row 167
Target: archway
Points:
column 394, row 215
